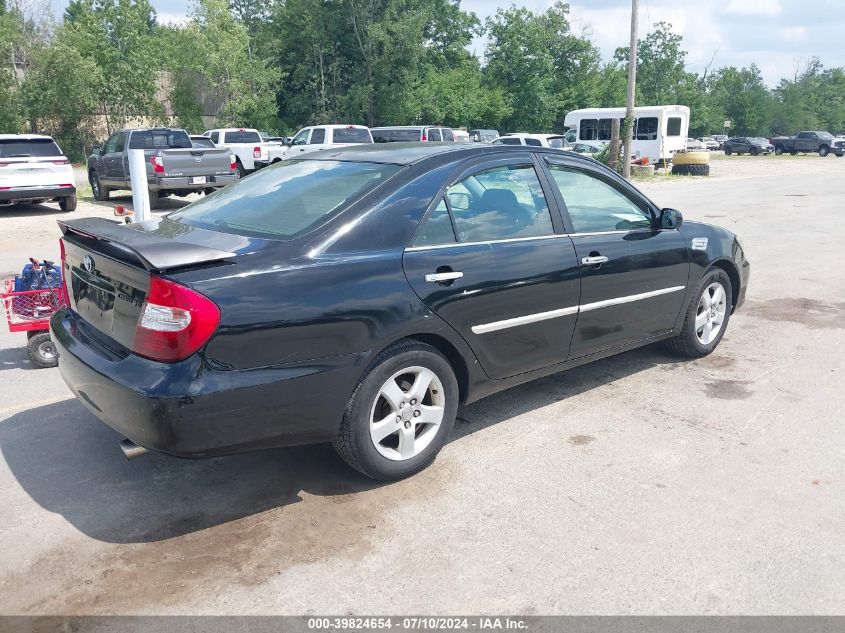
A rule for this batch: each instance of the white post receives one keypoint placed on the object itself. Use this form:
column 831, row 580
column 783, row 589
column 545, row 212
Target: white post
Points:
column 140, row 188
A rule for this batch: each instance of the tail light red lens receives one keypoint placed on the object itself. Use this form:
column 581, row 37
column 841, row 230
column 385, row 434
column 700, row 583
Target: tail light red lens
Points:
column 65, row 270
column 158, row 164
column 60, row 162
column 256, row 152
column 234, row 160
column 175, row 322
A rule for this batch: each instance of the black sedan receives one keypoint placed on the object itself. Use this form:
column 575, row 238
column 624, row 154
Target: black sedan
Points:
column 358, row 296
column 748, row 145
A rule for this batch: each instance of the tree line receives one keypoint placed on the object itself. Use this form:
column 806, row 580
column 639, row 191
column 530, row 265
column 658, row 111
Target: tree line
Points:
column 283, row 64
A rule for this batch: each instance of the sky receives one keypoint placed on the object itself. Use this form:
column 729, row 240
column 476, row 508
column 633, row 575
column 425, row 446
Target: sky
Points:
column 779, row 36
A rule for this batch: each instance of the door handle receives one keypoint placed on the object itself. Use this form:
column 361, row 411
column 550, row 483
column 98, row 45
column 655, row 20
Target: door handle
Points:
column 593, row 261
column 437, row 278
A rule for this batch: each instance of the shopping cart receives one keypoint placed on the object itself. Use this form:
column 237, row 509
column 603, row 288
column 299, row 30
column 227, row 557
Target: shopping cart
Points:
column 30, row 311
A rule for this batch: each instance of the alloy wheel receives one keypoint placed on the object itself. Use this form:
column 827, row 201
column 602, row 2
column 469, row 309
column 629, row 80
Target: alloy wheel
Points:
column 710, row 315
column 407, row 413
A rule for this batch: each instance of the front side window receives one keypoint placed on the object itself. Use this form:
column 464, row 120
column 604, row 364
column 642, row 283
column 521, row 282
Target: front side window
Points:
column 434, row 135
column 588, row 130
column 448, row 135
column 673, row 126
column 286, row 199
column 534, row 142
column 302, row 137
column 647, row 128
column 500, row 203
column 596, row 206
column 318, row 136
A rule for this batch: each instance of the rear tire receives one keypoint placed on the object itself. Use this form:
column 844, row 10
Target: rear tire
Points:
column 241, row 170
column 42, row 351
column 68, row 204
column 100, row 191
column 155, row 199
column 697, row 338
column 401, row 413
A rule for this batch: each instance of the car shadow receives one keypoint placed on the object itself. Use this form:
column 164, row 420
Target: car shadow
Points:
column 166, row 204
column 16, row 357
column 27, row 210
column 70, row 464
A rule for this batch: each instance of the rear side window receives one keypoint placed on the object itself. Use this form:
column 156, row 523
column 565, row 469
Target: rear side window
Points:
column 215, row 136
column 318, row 136
column 533, row 142
column 387, row 135
column 673, row 126
column 287, row 199
column 156, row 139
column 436, row 228
column 434, row 135
column 588, row 130
column 647, row 129
column 352, row 135
column 242, row 136
column 11, row 148
column 604, row 129
column 448, row 135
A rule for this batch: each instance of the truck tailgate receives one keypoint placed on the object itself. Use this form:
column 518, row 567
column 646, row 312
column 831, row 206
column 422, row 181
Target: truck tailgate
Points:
column 196, row 162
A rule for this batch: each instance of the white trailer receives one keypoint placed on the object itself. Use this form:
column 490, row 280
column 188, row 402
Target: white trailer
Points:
column 659, row 131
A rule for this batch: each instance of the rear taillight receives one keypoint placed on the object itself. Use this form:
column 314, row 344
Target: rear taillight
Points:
column 175, row 322
column 61, row 162
column 234, row 161
column 256, row 152
column 158, row 164
column 5, row 164
column 424, row 138
column 65, row 271
column 66, row 184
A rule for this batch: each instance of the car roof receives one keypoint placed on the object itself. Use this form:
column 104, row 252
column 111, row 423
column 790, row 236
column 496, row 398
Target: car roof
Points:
column 24, row 137
column 406, row 127
column 410, row 153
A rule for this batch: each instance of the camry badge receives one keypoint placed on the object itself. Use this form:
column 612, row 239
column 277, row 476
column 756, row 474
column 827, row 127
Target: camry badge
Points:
column 88, row 263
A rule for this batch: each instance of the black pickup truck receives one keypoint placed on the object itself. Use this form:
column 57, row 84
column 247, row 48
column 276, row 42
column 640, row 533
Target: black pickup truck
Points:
column 174, row 164
column 808, row 141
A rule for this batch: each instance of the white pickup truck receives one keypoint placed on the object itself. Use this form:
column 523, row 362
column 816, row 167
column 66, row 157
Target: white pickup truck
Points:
column 244, row 143
column 315, row 138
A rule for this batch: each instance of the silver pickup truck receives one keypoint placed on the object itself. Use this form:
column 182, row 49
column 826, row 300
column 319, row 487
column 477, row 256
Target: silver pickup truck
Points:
column 174, row 164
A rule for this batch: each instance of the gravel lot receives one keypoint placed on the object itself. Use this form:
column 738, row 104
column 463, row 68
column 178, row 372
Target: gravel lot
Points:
column 639, row 484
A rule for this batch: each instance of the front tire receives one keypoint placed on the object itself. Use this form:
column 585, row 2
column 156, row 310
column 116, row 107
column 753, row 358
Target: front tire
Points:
column 101, row 192
column 706, row 317
column 824, row 150
column 400, row 414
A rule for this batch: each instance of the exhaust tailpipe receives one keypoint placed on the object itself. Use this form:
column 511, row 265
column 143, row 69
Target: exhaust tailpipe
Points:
column 131, row 450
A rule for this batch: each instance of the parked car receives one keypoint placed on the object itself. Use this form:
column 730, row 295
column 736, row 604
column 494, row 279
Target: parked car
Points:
column 720, row 138
column 341, row 298
column 33, row 169
column 244, row 143
column 838, row 146
column 483, row 136
column 461, row 136
column 406, row 133
column 805, row 142
column 710, row 143
column 201, row 141
column 174, row 164
column 319, row 137
column 747, row 145
column 555, row 141
column 694, row 145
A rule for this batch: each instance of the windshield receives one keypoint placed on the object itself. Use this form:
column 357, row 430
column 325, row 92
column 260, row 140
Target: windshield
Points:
column 285, row 200
column 352, row 135
column 39, row 147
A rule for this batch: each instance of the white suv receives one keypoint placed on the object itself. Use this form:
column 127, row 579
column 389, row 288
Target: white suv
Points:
column 33, row 170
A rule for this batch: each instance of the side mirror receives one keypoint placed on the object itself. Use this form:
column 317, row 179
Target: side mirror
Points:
column 671, row 219
column 97, row 151
column 459, row 200
column 289, row 141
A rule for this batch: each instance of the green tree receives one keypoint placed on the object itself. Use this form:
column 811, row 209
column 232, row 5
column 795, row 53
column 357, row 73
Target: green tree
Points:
column 741, row 97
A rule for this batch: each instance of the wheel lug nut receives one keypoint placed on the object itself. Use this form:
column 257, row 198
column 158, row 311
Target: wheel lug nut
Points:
column 417, row 413
column 414, row 401
column 398, row 418
column 407, row 425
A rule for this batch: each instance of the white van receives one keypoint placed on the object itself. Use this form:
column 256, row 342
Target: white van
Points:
column 659, row 131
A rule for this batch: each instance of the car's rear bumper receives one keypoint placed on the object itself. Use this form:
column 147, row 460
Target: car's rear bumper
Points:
column 169, row 183
column 190, row 409
column 35, row 193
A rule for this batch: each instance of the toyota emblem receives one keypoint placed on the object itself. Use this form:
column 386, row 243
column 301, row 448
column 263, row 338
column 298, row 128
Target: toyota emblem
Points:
column 88, row 263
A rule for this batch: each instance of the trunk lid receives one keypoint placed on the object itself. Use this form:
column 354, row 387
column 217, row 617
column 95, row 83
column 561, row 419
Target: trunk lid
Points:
column 108, row 266
column 196, row 162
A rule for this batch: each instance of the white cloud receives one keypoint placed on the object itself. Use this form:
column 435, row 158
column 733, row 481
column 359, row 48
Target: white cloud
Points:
column 793, row 33
column 753, row 7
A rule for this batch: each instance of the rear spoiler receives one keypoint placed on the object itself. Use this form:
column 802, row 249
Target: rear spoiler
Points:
column 144, row 244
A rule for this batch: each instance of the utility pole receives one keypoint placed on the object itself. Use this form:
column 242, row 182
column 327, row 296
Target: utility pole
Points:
column 632, row 89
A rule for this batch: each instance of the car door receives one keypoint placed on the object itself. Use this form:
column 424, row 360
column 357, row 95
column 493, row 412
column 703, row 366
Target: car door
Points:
column 300, row 141
column 492, row 260
column 113, row 158
column 633, row 274
column 317, row 140
column 804, row 141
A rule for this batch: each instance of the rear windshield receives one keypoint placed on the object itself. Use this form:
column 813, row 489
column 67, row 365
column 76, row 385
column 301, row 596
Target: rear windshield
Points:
column 154, row 139
column 352, row 135
column 202, row 141
column 285, row 200
column 557, row 142
column 11, row 148
column 242, row 136
column 396, row 136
